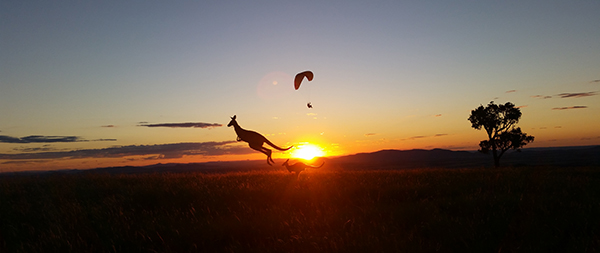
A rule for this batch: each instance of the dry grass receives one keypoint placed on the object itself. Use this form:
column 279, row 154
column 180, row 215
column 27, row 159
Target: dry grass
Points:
column 470, row 210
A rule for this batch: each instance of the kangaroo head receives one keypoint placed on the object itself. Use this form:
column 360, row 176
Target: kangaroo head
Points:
column 232, row 122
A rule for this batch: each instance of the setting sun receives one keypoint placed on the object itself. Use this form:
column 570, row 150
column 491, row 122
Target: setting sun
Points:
column 307, row 151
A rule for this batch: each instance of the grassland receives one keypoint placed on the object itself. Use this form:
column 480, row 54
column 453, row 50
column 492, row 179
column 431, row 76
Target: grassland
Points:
column 422, row 210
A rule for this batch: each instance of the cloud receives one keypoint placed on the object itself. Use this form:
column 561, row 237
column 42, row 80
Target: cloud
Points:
column 542, row 97
column 45, row 139
column 166, row 151
column 577, row 95
column 44, row 148
column 437, row 115
column 595, row 81
column 182, row 125
column 25, row 161
column 370, row 134
column 422, row 137
column 570, row 107
column 105, row 140
column 590, row 138
column 108, row 126
column 511, row 91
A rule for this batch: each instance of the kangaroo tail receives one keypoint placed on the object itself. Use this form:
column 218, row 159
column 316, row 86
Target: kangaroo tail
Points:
column 276, row 147
column 319, row 165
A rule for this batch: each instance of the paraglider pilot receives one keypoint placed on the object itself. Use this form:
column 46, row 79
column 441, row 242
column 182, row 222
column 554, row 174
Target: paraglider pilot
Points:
column 309, row 105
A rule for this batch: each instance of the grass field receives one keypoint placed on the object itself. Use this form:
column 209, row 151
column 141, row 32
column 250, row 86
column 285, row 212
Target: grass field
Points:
column 424, row 210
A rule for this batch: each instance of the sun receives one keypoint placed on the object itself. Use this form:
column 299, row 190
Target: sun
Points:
column 307, row 151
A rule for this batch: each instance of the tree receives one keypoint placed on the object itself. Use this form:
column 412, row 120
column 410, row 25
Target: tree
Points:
column 499, row 122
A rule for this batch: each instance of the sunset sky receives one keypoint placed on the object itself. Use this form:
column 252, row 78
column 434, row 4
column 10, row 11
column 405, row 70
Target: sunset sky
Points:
column 87, row 84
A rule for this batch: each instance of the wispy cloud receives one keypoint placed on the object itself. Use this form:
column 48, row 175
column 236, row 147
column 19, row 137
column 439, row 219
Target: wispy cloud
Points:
column 577, row 95
column 570, row 107
column 45, row 139
column 595, row 81
column 163, row 151
column 511, row 91
column 541, row 96
column 25, row 161
column 44, row 148
column 182, row 125
column 422, row 137
column 437, row 115
column 108, row 126
column 370, row 134
column 590, row 138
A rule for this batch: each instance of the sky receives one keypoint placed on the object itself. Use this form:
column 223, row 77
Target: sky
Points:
column 86, row 84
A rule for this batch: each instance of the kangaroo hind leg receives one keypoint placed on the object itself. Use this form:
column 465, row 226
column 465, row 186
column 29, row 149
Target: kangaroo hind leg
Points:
column 264, row 150
column 268, row 152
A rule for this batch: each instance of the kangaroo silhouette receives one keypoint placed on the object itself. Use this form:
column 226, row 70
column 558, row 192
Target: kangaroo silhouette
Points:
column 299, row 167
column 254, row 140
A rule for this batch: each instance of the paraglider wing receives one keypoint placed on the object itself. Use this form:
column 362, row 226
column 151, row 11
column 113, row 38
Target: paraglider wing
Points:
column 298, row 80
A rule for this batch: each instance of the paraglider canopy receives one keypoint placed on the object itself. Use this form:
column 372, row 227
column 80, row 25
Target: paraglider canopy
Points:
column 298, row 80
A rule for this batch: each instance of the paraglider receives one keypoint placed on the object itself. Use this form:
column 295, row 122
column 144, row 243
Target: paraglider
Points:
column 298, row 80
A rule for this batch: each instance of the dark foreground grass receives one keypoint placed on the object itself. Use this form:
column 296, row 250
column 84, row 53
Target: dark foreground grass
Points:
column 471, row 210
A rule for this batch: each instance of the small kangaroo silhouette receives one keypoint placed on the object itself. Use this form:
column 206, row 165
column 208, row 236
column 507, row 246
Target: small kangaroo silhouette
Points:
column 254, row 140
column 298, row 167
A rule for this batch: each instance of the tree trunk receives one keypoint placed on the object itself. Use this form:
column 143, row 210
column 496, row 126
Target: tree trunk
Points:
column 496, row 158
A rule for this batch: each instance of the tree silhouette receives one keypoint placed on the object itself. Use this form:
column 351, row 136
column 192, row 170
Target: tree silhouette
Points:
column 499, row 122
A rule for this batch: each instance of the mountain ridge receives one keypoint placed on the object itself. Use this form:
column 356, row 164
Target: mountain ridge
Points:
column 577, row 156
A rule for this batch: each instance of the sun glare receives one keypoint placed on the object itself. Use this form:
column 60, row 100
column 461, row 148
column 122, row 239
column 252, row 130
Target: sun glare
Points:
column 307, row 151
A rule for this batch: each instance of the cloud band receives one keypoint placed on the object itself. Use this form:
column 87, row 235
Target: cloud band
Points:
column 173, row 150
column 45, row 139
column 183, row 125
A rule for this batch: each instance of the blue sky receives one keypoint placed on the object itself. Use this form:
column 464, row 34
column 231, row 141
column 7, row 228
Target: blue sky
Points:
column 385, row 73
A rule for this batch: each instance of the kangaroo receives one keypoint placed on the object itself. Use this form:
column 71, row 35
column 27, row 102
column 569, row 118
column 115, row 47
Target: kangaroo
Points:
column 254, row 140
column 298, row 167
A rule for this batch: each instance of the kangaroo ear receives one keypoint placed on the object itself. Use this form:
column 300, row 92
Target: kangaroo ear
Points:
column 233, row 117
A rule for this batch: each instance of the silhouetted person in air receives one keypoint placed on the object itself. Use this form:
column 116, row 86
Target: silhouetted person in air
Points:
column 309, row 105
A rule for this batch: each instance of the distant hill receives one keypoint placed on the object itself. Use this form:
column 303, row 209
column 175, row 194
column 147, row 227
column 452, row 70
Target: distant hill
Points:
column 441, row 158
column 416, row 158
column 562, row 156
column 383, row 159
